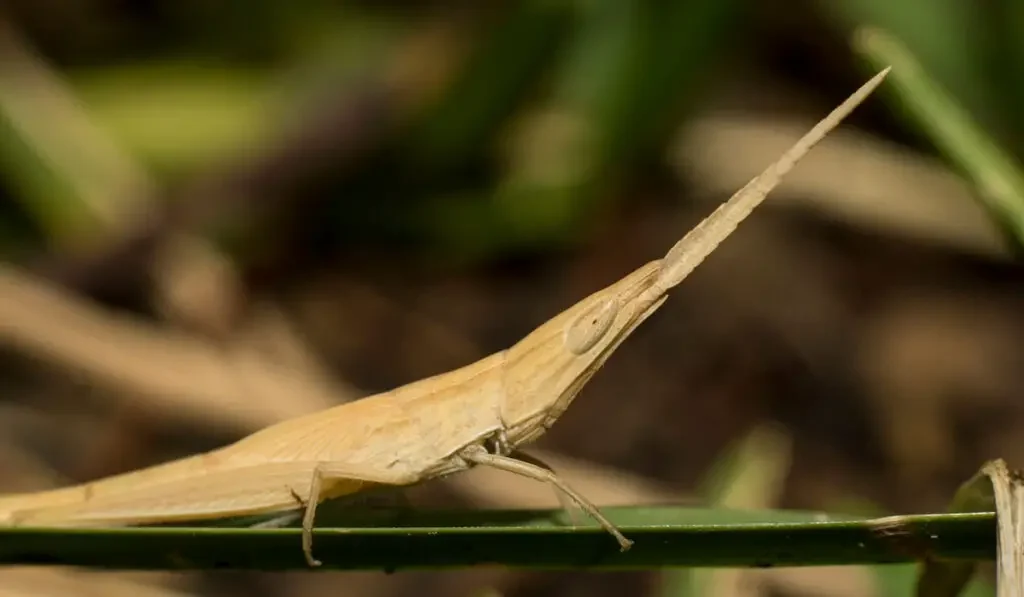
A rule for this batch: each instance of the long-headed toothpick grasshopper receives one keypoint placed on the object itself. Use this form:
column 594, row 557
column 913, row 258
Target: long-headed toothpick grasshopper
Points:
column 474, row 416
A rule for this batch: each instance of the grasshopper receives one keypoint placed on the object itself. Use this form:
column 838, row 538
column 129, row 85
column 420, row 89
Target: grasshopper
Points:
column 477, row 415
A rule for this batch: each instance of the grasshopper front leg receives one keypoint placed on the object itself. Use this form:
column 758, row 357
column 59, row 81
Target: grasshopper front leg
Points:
column 480, row 456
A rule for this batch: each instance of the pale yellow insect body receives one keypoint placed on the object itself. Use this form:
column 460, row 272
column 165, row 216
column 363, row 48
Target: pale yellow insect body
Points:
column 477, row 415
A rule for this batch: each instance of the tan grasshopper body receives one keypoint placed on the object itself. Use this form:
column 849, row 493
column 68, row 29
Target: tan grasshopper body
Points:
column 476, row 415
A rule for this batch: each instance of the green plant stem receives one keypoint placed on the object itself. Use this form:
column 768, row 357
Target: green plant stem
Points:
column 664, row 536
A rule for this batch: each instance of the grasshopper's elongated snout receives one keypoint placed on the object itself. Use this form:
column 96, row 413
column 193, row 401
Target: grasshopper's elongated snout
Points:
column 546, row 370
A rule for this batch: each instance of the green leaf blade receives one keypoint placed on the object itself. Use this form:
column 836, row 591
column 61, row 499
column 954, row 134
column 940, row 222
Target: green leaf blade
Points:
column 664, row 536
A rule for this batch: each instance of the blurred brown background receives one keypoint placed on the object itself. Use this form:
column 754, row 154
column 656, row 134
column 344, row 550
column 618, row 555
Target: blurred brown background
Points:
column 215, row 215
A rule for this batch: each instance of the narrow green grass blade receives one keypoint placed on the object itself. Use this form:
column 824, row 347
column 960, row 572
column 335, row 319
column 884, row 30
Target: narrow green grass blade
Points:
column 750, row 474
column 900, row 580
column 949, row 38
column 665, row 536
column 996, row 175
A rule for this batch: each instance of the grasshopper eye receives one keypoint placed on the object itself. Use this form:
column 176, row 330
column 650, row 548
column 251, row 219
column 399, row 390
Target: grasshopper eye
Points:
column 591, row 326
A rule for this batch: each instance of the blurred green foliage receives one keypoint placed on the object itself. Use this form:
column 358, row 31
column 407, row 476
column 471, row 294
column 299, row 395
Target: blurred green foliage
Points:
column 545, row 112
column 996, row 174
